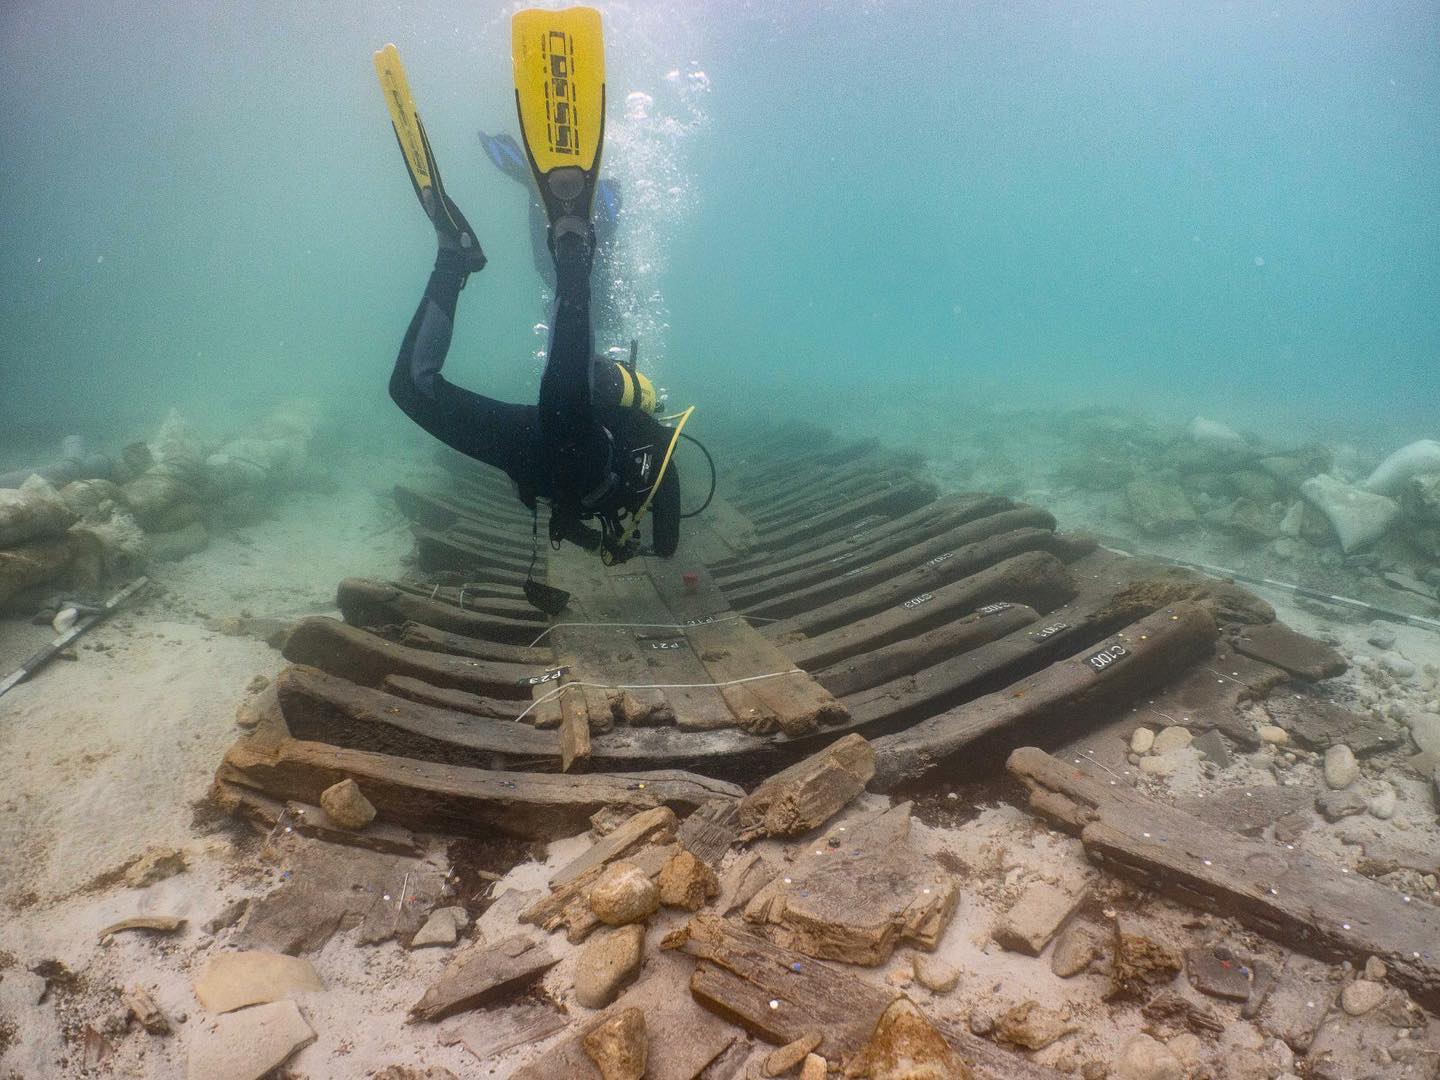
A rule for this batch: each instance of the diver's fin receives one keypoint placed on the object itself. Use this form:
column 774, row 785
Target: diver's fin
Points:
column 505, row 154
column 414, row 143
column 559, row 59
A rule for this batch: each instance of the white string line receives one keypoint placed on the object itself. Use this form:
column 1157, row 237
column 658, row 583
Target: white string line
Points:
column 654, row 686
column 709, row 620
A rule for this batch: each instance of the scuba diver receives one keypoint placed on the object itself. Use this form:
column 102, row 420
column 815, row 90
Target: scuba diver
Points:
column 592, row 446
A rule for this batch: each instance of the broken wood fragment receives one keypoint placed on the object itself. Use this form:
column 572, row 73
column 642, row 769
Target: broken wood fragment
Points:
column 163, row 924
column 709, row 831
column 1304, row 657
column 482, row 972
column 810, row 792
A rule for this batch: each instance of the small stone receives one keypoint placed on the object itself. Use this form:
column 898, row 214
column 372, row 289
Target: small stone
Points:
column 608, row 963
column 1360, row 996
column 1341, row 768
column 624, row 894
column 1336, row 805
column 1375, row 969
column 982, row 1020
column 815, row 1068
column 934, row 974
column 1094, row 1070
column 1145, row 1059
column 1158, row 766
column 1172, row 738
column 781, row 1061
column 1382, row 804
column 904, row 1044
column 157, row 864
column 1397, row 665
column 1275, row 736
column 1032, row 1026
column 1074, row 950
column 1185, row 1046
column 687, row 882
column 619, row 1046
column 439, row 929
column 346, row 806
column 1141, row 740
column 1382, row 638
column 255, row 685
column 1216, row 975
column 1425, row 732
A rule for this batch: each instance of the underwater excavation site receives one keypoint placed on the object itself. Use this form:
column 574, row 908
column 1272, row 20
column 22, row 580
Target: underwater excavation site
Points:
column 890, row 541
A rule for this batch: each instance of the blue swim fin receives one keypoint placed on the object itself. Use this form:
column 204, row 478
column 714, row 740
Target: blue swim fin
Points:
column 505, row 154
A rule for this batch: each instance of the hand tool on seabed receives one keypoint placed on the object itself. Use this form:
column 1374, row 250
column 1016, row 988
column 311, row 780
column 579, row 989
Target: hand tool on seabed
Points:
column 87, row 619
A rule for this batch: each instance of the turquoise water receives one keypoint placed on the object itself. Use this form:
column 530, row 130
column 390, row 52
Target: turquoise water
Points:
column 1228, row 209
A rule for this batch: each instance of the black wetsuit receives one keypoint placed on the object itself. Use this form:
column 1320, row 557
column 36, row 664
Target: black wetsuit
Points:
column 566, row 448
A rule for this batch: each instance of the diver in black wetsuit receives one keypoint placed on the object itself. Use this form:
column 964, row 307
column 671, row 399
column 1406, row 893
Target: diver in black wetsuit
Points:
column 591, row 446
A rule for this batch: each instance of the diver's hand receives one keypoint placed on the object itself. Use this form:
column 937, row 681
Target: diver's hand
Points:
column 459, row 251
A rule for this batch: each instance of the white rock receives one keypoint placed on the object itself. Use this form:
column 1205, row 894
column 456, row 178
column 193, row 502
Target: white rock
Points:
column 1382, row 805
column 1172, row 738
column 1360, row 996
column 1397, row 665
column 1425, row 732
column 347, row 806
column 1275, row 736
column 1358, row 517
column 1214, row 434
column 1341, row 768
column 441, row 928
column 1141, row 741
column 1421, row 456
column 1382, row 637
column 1158, row 765
column 1145, row 1059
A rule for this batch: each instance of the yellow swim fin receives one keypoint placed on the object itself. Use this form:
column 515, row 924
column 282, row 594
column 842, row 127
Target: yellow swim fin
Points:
column 414, row 143
column 559, row 59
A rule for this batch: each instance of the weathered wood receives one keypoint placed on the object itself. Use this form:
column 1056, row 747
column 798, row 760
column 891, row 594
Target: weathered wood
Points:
column 370, row 603
column 1294, row 898
column 731, row 651
column 1276, row 644
column 366, row 658
column 810, row 792
column 419, row 636
column 1034, row 578
column 1082, row 687
column 656, row 825
column 320, row 707
column 860, row 892
column 455, row 700
column 891, row 501
column 709, row 831
column 910, row 585
column 907, row 656
column 452, row 550
column 382, row 836
column 739, row 975
column 808, row 589
column 482, row 972
column 468, row 802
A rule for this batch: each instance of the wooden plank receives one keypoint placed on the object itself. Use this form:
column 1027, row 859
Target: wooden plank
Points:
column 435, row 797
column 454, row 700
column 656, row 825
column 419, row 636
column 482, row 972
column 740, row 975
column 1297, row 899
column 1084, row 686
column 731, row 650
column 890, row 501
column 363, row 657
column 1034, row 578
column 371, row 603
column 708, row 832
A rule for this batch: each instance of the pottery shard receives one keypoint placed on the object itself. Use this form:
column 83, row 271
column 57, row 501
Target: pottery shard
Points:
column 247, row 1045
column 157, row 864
column 1139, row 961
column 783, row 1060
column 1074, row 951
column 686, row 882
column 810, row 792
column 346, row 806
column 619, row 1047
column 1032, row 1026
column 233, row 980
column 608, row 963
column 624, row 894
column 905, row 1045
column 1038, row 915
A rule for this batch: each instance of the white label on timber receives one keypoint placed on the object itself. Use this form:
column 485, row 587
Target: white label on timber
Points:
column 699, row 622
column 1105, row 657
column 916, row 601
column 852, row 573
column 1049, row 631
column 842, row 558
column 993, row 609
column 673, row 643
column 938, row 559
column 540, row 680
column 631, row 577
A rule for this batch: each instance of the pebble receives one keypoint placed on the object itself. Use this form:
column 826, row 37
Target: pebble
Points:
column 1360, row 996
column 1145, row 1059
column 607, row 964
column 1275, row 736
column 1382, row 637
column 1172, row 738
column 1425, row 732
column 1336, row 805
column 347, row 805
column 982, row 1020
column 1375, row 969
column 1341, row 768
column 815, row 1068
column 934, row 974
column 1382, row 805
column 1141, row 741
column 784, row 1059
column 1157, row 766
column 1073, row 952
column 624, row 894
column 1397, row 665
